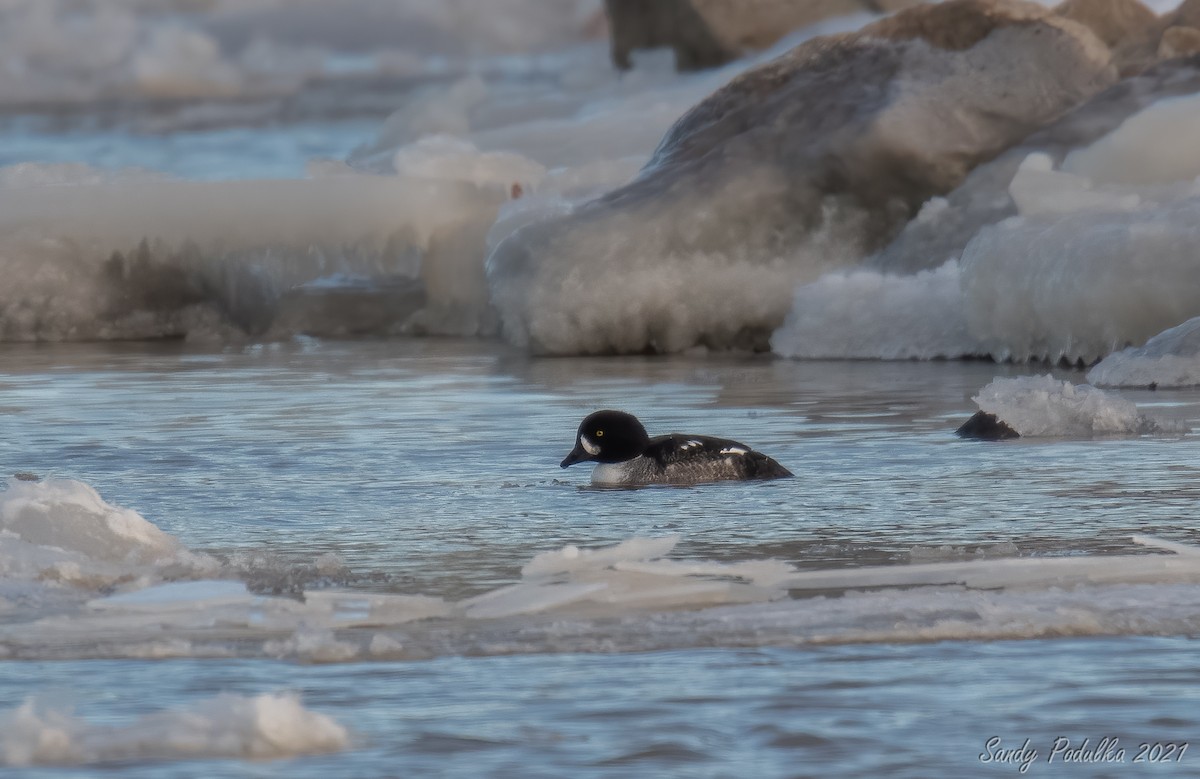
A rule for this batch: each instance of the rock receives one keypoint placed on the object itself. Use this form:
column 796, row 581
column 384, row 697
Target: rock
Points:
column 983, row 197
column 1180, row 31
column 798, row 166
column 986, row 427
column 1186, row 15
column 674, row 24
column 707, row 33
column 1127, row 27
column 1179, row 42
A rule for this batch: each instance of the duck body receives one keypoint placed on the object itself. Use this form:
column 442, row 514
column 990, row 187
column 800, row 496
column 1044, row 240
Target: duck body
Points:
column 626, row 455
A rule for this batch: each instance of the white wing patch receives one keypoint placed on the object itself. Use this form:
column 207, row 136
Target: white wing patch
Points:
column 691, row 443
column 735, row 450
column 588, row 446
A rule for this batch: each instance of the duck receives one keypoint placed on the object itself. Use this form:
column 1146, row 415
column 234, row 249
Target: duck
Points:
column 626, row 455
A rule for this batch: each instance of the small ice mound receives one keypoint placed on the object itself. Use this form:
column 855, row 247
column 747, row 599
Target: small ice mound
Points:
column 300, row 628
column 177, row 596
column 261, row 727
column 865, row 314
column 71, row 516
column 628, row 575
column 1169, row 359
column 1154, row 146
column 62, row 531
column 1042, row 406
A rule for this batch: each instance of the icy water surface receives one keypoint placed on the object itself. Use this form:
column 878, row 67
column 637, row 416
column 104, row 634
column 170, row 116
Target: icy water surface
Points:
column 357, row 497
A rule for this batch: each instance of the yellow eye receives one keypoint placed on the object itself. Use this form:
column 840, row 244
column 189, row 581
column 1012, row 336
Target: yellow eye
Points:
column 599, row 433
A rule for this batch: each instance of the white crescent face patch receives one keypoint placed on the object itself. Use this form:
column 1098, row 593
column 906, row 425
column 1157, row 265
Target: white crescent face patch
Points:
column 588, row 446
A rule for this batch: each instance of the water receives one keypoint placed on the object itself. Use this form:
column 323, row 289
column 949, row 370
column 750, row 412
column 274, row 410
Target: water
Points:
column 429, row 467
column 851, row 711
column 242, row 550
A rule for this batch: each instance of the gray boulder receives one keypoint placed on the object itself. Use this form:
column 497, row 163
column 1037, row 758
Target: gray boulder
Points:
column 804, row 164
column 1128, row 28
column 707, row 33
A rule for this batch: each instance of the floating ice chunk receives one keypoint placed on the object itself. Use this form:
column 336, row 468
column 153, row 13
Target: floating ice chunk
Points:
column 1171, row 546
column 865, row 314
column 1157, row 145
column 1169, row 359
column 268, row 726
column 1042, row 406
column 60, row 541
column 71, row 516
column 1018, row 572
column 178, row 595
column 571, row 558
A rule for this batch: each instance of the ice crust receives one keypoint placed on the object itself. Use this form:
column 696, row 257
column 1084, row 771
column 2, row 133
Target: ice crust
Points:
column 1169, row 359
column 872, row 315
column 59, row 536
column 1079, row 285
